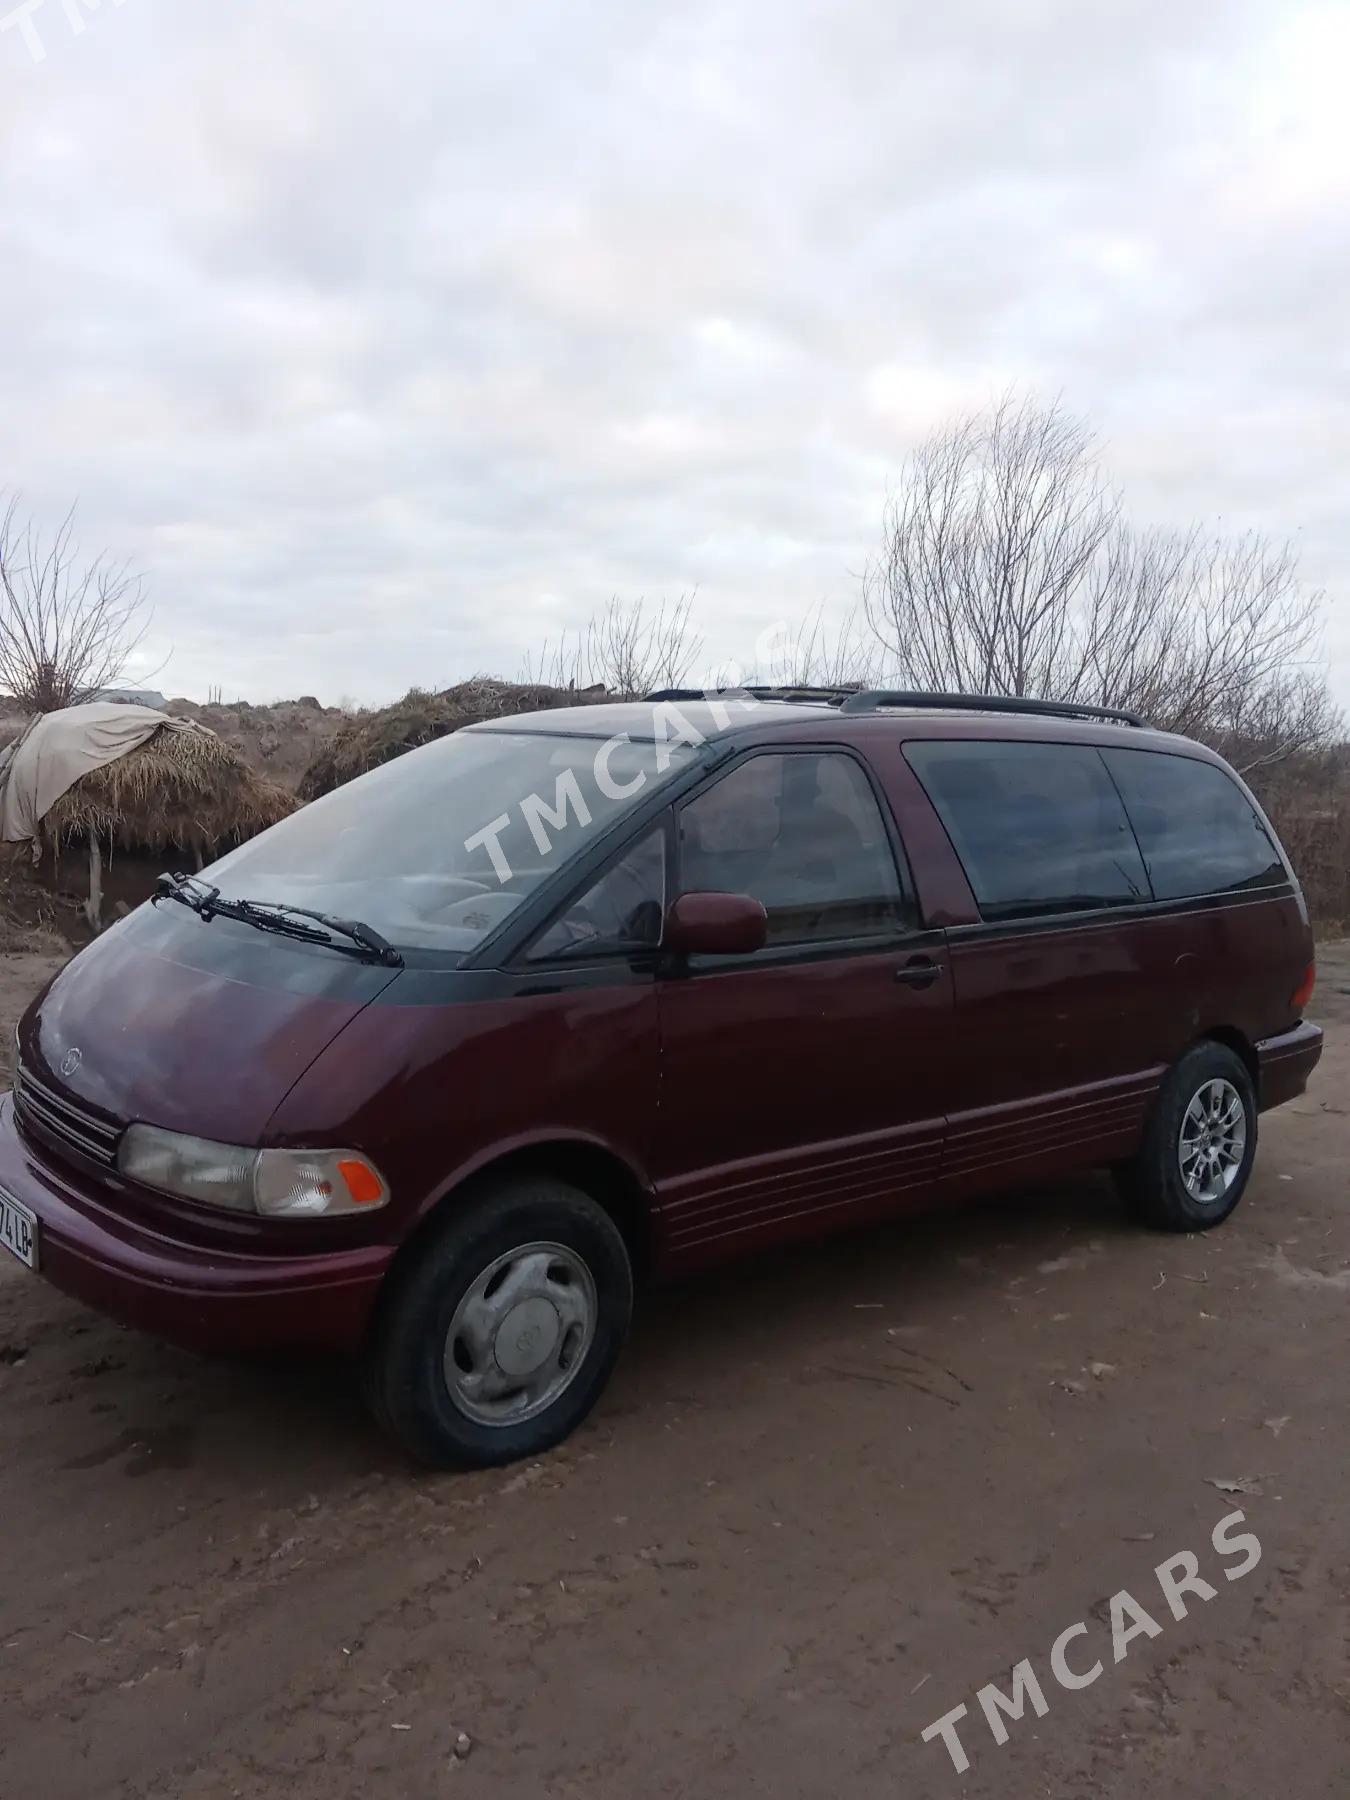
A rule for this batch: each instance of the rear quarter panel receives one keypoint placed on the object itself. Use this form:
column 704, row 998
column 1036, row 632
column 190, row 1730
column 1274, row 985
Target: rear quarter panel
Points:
column 1250, row 957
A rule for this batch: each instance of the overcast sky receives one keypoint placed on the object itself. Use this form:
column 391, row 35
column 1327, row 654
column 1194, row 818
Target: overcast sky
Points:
column 391, row 340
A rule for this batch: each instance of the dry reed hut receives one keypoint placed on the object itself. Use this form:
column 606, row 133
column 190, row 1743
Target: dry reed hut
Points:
column 180, row 798
column 373, row 738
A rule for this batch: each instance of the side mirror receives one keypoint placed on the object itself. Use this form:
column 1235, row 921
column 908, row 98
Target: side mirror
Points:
column 715, row 925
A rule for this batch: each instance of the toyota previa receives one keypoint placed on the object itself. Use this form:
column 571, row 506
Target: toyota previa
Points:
column 440, row 1069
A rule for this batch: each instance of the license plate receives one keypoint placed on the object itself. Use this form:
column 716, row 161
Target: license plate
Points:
column 18, row 1230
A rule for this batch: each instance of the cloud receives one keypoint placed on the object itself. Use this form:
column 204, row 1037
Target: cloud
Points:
column 388, row 343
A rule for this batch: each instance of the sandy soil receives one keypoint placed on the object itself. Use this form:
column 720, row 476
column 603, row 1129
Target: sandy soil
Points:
column 827, row 1499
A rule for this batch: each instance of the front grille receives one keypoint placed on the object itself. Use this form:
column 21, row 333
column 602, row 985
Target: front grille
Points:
column 63, row 1120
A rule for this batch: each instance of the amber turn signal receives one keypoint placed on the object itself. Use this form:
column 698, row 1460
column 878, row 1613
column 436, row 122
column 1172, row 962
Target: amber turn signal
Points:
column 363, row 1184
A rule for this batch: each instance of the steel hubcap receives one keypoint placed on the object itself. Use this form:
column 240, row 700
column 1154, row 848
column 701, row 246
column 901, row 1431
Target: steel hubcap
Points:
column 520, row 1333
column 1212, row 1141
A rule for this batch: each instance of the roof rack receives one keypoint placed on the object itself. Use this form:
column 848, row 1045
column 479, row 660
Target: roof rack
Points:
column 865, row 700
column 818, row 696
column 871, row 699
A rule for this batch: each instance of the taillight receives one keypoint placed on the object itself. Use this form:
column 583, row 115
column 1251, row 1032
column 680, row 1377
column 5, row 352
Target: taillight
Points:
column 1303, row 993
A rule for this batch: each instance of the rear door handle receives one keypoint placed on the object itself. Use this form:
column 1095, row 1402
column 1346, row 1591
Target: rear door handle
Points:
column 919, row 972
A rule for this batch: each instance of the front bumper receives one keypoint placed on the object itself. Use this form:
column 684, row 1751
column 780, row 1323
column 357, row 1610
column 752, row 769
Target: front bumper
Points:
column 1286, row 1062
column 207, row 1299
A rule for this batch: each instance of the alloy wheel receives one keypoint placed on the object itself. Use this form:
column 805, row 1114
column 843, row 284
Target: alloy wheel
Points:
column 1212, row 1141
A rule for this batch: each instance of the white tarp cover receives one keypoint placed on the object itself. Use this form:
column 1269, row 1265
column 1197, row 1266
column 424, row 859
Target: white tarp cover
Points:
column 57, row 748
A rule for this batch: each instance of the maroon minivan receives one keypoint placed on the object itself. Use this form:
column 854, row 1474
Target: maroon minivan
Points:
column 434, row 1070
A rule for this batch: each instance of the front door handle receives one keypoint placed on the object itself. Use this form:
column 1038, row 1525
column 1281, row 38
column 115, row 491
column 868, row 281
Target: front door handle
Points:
column 919, row 972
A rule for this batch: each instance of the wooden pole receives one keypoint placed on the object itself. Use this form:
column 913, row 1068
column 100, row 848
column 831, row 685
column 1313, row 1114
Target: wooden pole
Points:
column 94, row 906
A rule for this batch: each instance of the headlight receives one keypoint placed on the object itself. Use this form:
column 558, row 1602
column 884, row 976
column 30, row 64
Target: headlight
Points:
column 281, row 1184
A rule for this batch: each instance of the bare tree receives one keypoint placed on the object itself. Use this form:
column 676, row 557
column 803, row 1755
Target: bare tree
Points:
column 633, row 650
column 629, row 648
column 1007, row 568
column 986, row 545
column 821, row 651
column 1214, row 637
column 67, row 627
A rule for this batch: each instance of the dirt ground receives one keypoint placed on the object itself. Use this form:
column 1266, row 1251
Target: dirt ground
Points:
column 828, row 1498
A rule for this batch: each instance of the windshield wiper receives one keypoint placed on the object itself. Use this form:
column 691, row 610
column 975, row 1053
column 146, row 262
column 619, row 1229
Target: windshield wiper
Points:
column 186, row 889
column 364, row 936
column 279, row 916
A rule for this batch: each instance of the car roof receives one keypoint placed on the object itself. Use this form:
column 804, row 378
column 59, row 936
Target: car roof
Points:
column 751, row 718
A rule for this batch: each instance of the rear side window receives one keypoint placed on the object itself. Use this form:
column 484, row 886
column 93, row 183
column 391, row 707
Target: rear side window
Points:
column 1197, row 829
column 1039, row 828
column 803, row 834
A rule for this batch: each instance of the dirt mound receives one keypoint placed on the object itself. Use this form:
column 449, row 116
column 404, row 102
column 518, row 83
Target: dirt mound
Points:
column 369, row 739
column 278, row 741
column 35, row 917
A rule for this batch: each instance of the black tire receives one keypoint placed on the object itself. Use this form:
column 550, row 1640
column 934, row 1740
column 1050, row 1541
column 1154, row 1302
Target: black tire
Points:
column 405, row 1365
column 1153, row 1183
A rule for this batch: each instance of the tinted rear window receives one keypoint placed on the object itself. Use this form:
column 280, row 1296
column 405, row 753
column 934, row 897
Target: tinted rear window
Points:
column 1038, row 827
column 1197, row 829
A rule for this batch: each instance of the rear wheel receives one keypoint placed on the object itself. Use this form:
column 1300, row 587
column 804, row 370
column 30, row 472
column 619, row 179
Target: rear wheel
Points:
column 497, row 1339
column 1199, row 1146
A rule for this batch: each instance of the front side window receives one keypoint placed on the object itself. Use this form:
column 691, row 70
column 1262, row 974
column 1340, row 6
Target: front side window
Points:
column 802, row 834
column 1039, row 828
column 438, row 847
column 622, row 911
column 1197, row 829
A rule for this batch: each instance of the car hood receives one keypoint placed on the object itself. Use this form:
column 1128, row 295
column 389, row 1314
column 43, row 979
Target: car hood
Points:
column 201, row 1027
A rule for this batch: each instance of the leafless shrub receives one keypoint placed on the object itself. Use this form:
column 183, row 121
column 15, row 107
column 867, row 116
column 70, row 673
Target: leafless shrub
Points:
column 1006, row 567
column 629, row 648
column 67, row 627
column 824, row 652
column 1307, row 796
column 1210, row 636
column 633, row 650
column 556, row 664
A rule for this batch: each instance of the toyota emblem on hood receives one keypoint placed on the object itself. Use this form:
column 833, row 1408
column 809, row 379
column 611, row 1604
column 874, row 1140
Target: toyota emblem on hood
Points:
column 71, row 1060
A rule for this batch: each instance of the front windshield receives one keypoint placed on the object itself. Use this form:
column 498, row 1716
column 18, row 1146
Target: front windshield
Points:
column 438, row 847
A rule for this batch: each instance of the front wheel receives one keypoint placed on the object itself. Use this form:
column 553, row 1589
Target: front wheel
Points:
column 497, row 1338
column 1200, row 1143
